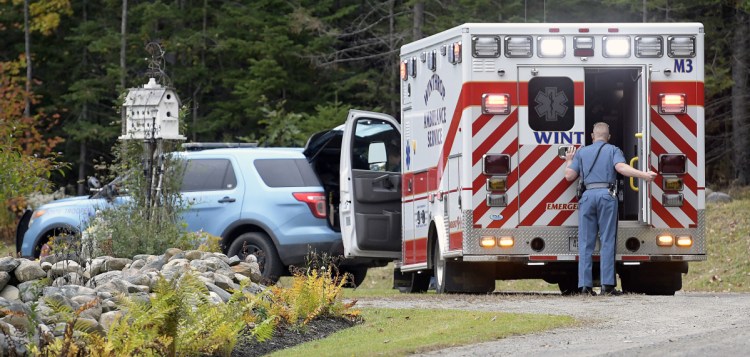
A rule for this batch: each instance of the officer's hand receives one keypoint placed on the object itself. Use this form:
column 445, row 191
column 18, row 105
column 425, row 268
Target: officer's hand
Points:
column 570, row 153
column 650, row 176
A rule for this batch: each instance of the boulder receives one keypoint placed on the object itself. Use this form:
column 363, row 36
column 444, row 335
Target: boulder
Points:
column 68, row 279
column 715, row 197
column 31, row 290
column 224, row 282
column 103, row 278
column 171, row 252
column 113, row 264
column 4, row 279
column 63, row 267
column 29, row 270
column 193, row 255
column 108, row 319
column 8, row 264
column 10, row 292
column 221, row 292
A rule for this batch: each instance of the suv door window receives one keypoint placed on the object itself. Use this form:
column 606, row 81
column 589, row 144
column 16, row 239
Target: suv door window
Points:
column 208, row 175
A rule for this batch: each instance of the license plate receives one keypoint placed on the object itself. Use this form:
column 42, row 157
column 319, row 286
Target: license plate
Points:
column 573, row 244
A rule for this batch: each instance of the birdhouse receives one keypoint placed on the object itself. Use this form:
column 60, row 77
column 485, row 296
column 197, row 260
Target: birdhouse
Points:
column 151, row 112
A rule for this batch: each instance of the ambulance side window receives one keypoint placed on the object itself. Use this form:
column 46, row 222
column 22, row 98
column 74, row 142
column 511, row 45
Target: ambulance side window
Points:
column 551, row 104
column 375, row 145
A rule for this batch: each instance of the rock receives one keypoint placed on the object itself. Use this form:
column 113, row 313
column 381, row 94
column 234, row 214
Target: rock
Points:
column 29, row 270
column 200, row 265
column 175, row 268
column 93, row 312
column 70, row 291
column 62, row 267
column 224, row 282
column 243, row 268
column 46, row 266
column 138, row 264
column 113, row 264
column 215, row 298
column 254, row 289
column 10, row 292
column 137, row 279
column 154, row 264
column 250, row 258
column 234, row 261
column 68, row 279
column 4, row 279
column 221, row 292
column 193, row 255
column 171, row 252
column 31, row 290
column 718, row 197
column 109, row 318
column 120, row 286
column 19, row 319
column 91, row 325
column 221, row 256
column 103, row 278
column 240, row 278
column 217, row 263
column 8, row 264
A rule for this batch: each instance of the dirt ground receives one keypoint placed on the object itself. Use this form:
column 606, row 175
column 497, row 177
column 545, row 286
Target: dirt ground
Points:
column 684, row 324
column 285, row 337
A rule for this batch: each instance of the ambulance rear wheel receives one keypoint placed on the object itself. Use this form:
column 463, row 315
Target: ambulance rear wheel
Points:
column 452, row 276
column 440, row 268
column 568, row 284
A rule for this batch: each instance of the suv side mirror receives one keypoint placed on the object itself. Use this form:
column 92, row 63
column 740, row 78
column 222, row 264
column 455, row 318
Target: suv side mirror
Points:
column 376, row 156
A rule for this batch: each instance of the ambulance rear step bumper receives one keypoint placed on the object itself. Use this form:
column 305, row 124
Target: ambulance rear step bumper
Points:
column 569, row 258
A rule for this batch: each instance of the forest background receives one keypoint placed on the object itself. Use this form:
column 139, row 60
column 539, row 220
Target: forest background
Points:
column 275, row 71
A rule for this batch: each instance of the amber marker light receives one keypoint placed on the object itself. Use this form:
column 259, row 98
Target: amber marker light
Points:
column 487, row 241
column 505, row 242
column 664, row 240
column 684, row 241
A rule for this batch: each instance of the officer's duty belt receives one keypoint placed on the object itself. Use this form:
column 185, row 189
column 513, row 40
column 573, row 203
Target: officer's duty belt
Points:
column 592, row 186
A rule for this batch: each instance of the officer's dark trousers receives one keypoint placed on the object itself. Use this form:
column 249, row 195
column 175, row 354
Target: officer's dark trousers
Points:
column 597, row 212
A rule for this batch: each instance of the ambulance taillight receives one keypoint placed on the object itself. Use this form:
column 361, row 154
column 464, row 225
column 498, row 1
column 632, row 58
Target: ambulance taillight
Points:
column 496, row 104
column 672, row 103
column 672, row 164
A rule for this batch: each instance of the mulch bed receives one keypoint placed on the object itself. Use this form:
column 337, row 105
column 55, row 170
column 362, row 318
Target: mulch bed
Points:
column 285, row 337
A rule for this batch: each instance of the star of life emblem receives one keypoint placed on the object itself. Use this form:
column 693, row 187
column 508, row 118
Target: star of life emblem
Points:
column 550, row 103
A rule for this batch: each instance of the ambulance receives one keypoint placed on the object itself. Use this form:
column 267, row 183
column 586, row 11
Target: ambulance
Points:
column 468, row 187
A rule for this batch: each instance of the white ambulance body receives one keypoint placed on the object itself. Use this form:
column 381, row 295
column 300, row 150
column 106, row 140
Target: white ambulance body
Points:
column 487, row 111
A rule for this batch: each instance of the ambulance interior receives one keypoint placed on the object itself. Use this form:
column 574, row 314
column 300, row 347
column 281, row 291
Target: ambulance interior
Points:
column 612, row 96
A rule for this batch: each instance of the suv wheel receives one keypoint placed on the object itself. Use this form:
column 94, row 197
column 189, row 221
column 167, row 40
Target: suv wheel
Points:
column 260, row 245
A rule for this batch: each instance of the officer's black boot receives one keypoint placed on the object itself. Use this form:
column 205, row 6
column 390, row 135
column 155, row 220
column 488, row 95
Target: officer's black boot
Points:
column 609, row 290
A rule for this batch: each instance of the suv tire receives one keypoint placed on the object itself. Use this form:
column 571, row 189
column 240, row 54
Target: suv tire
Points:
column 260, row 245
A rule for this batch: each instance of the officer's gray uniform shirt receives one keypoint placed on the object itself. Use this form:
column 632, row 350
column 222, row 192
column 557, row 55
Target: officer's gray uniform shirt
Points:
column 601, row 170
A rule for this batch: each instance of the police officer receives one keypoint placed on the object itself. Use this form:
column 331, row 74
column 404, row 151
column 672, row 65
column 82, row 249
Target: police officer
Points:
column 597, row 208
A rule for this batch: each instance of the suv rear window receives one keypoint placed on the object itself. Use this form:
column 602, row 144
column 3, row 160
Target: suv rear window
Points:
column 208, row 175
column 286, row 172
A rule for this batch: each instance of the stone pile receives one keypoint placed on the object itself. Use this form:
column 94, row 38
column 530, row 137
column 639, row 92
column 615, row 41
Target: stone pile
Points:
column 74, row 282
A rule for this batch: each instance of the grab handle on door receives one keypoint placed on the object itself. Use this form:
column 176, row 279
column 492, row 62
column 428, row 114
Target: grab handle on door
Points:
column 632, row 179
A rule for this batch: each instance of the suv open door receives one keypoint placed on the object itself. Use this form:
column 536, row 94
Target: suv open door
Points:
column 370, row 186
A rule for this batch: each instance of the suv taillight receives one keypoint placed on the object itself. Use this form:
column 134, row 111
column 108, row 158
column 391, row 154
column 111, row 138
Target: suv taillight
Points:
column 315, row 200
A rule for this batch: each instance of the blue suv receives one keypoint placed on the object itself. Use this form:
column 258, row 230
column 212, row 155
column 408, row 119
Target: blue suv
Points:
column 263, row 201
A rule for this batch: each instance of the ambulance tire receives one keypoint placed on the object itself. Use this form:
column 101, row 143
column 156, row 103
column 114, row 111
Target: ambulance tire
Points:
column 357, row 274
column 568, row 284
column 459, row 277
column 415, row 283
column 652, row 284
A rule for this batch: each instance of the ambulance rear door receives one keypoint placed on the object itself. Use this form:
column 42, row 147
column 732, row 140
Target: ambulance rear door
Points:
column 551, row 118
column 370, row 186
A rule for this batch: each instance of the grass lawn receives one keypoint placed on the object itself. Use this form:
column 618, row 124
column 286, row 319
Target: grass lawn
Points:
column 398, row 332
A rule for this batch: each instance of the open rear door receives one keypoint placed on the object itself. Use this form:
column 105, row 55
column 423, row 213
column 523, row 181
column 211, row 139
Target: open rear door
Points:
column 644, row 146
column 370, row 190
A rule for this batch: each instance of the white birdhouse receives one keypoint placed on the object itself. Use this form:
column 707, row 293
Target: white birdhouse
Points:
column 151, row 112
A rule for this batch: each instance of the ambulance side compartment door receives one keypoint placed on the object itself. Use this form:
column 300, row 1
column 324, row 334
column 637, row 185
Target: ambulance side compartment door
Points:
column 370, row 208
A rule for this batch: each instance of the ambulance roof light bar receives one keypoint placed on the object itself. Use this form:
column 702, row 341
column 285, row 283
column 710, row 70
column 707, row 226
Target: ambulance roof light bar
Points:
column 583, row 46
column 551, row 46
column 649, row 46
column 681, row 46
column 518, row 46
column 485, row 46
column 616, row 46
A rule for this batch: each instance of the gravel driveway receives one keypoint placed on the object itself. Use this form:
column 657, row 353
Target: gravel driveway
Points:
column 685, row 324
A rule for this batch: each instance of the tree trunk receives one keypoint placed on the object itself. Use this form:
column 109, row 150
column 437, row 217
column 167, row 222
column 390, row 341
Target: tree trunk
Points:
column 27, row 43
column 392, row 84
column 740, row 96
column 82, row 169
column 418, row 21
column 85, row 118
column 123, row 42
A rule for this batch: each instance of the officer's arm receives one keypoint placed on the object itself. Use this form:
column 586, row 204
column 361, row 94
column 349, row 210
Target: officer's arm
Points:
column 630, row 171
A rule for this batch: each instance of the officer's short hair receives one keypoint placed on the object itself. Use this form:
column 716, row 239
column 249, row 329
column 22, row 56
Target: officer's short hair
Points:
column 601, row 128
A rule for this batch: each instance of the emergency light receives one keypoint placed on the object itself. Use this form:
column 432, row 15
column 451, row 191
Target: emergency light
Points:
column 505, row 242
column 681, row 46
column 672, row 184
column 496, row 104
column 497, row 200
column 616, row 46
column 583, row 46
column 432, row 60
column 684, row 241
column 497, row 183
column 551, row 46
column 496, row 164
column 672, row 164
column 454, row 55
column 664, row 240
column 518, row 46
column 485, row 46
column 403, row 70
column 487, row 241
column 672, row 199
column 672, row 103
column 649, row 46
